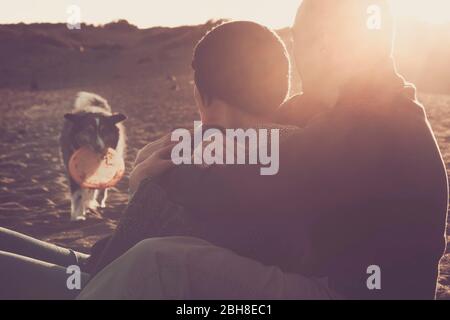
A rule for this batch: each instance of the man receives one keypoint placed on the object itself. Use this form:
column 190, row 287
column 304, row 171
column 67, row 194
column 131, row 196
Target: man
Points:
column 363, row 187
column 376, row 185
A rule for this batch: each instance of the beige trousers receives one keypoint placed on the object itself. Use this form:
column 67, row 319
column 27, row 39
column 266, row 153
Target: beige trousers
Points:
column 188, row 268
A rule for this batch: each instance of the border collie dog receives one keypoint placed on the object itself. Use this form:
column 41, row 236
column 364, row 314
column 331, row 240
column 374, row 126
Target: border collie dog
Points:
column 91, row 124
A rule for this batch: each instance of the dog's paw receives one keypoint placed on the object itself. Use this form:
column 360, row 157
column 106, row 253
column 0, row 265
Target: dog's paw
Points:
column 77, row 218
column 93, row 205
column 79, row 215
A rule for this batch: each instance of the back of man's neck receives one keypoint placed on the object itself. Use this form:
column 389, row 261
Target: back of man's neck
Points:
column 227, row 116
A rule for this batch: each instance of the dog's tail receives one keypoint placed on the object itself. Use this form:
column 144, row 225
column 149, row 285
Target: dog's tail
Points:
column 87, row 100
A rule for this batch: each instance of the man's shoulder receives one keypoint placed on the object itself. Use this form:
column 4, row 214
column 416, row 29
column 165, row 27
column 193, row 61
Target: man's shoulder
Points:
column 408, row 103
column 286, row 113
column 298, row 111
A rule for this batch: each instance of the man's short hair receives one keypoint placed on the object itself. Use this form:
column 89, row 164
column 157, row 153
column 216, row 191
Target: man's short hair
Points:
column 243, row 64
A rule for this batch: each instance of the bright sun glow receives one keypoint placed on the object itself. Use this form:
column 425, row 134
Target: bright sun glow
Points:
column 432, row 11
column 148, row 13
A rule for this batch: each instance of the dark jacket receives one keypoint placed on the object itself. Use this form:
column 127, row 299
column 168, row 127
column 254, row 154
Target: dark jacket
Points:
column 362, row 184
column 373, row 186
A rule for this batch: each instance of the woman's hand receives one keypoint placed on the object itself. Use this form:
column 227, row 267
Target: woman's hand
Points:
column 151, row 148
column 152, row 161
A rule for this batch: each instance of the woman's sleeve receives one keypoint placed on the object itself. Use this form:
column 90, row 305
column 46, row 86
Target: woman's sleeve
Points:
column 149, row 214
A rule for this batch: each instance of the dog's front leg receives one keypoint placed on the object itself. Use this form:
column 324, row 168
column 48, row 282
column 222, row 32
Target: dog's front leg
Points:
column 78, row 209
column 103, row 196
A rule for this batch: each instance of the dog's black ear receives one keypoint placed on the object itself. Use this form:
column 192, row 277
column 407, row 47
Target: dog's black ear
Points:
column 118, row 117
column 71, row 117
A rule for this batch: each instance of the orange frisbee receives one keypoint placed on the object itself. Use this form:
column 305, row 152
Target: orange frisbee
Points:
column 95, row 171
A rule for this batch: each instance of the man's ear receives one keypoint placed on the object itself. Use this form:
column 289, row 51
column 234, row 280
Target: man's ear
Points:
column 117, row 118
column 71, row 117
